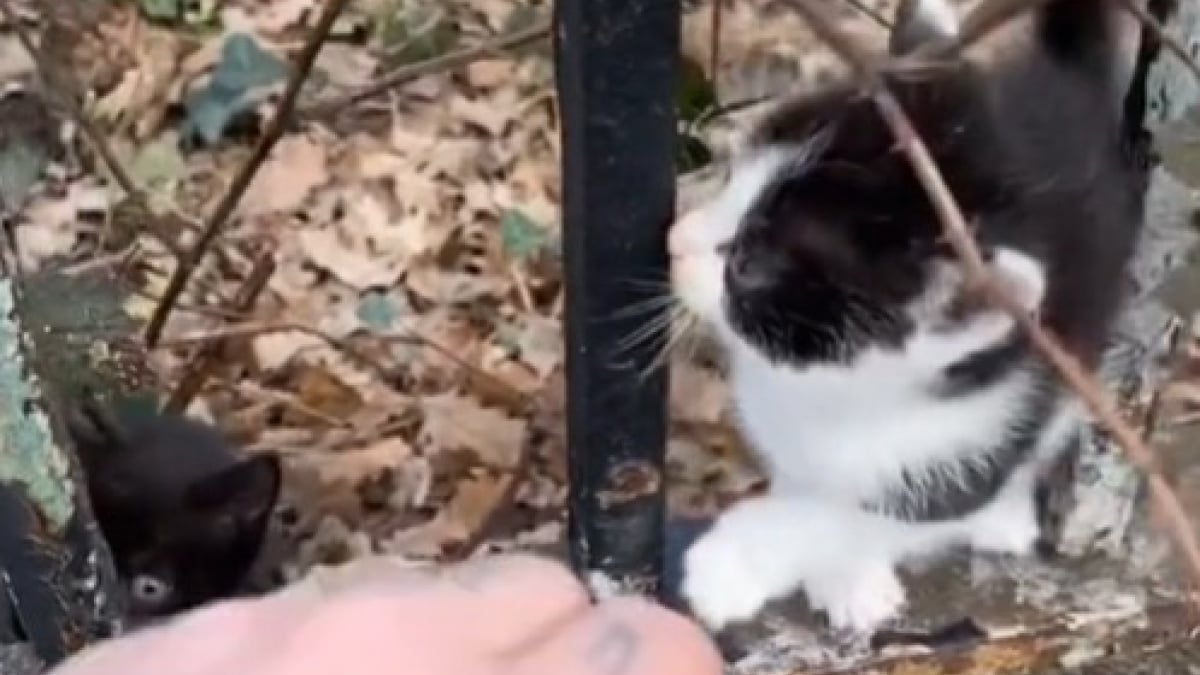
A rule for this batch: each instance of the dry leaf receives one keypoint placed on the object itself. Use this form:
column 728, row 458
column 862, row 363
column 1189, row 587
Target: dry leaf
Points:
column 52, row 225
column 346, row 66
column 15, row 60
column 489, row 73
column 279, row 15
column 322, row 391
column 540, row 343
column 272, row 351
column 351, row 466
column 454, row 422
column 698, row 395
column 475, row 499
column 296, row 167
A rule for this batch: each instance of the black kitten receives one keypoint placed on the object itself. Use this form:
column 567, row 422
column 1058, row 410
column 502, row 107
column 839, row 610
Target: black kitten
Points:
column 897, row 415
column 184, row 515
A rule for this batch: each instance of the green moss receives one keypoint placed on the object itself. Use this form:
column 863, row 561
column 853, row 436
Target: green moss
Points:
column 29, row 457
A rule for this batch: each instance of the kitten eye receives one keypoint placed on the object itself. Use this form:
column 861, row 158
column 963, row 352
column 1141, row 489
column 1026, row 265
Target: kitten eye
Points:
column 724, row 249
column 150, row 589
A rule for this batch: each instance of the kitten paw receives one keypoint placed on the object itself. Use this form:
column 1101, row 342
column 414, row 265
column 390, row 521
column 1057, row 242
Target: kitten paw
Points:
column 1015, row 539
column 1005, row 529
column 719, row 584
column 859, row 602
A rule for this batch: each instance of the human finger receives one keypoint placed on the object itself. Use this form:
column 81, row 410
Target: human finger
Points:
column 489, row 607
column 623, row 637
column 204, row 641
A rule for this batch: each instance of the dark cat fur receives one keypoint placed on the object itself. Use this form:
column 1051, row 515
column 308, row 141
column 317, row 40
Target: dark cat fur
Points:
column 185, row 516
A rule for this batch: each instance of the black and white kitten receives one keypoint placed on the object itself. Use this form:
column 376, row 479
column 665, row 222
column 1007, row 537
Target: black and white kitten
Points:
column 898, row 419
column 185, row 516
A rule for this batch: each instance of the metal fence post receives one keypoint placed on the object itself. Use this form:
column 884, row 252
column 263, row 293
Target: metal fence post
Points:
column 617, row 63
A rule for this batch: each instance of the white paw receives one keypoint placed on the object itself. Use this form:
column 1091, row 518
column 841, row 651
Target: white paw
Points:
column 1005, row 528
column 859, row 602
column 1010, row 538
column 719, row 583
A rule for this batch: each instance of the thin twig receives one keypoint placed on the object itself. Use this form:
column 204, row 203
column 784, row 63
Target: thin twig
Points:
column 253, row 389
column 241, row 181
column 870, row 12
column 1160, row 33
column 1153, row 413
column 410, row 336
column 118, row 259
column 414, row 71
column 210, row 356
column 714, row 46
column 713, row 113
column 251, row 328
column 1078, row 378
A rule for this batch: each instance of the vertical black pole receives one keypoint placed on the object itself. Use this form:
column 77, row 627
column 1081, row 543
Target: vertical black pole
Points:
column 617, row 65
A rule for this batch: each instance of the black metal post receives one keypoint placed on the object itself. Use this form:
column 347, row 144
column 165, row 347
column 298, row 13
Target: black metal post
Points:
column 617, row 63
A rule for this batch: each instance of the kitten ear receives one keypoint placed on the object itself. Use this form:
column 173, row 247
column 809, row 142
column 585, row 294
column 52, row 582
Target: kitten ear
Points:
column 240, row 499
column 920, row 21
column 1022, row 275
column 95, row 432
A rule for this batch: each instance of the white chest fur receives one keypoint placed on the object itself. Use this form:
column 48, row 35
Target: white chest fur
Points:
column 848, row 432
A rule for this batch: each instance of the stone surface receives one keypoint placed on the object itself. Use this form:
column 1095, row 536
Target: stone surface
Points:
column 1172, row 90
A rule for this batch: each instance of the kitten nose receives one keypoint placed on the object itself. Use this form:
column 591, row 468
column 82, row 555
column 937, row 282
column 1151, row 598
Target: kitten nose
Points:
column 684, row 236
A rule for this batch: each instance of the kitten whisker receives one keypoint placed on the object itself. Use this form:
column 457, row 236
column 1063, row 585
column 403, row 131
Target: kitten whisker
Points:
column 645, row 334
column 682, row 327
column 645, row 306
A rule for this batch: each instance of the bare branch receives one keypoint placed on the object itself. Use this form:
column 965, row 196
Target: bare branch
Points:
column 414, row 71
column 241, row 181
column 870, row 12
column 714, row 45
column 248, row 328
column 209, row 356
column 1078, row 378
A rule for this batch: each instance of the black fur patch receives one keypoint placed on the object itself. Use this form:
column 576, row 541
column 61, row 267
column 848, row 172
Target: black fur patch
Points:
column 177, row 505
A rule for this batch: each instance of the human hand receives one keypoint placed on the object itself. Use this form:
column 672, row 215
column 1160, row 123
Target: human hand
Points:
column 511, row 615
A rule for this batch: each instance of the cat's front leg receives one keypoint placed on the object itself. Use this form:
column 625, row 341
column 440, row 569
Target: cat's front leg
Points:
column 768, row 547
column 1008, row 524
